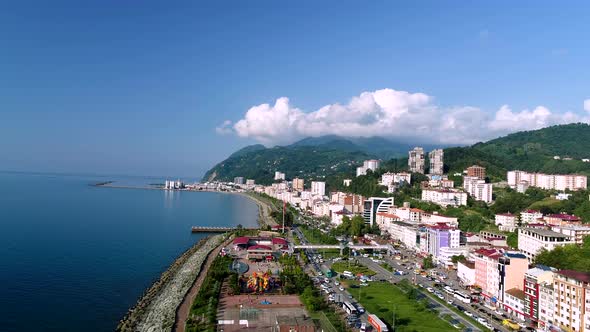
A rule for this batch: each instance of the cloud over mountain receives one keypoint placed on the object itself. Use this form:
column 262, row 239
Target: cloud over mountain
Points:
column 390, row 113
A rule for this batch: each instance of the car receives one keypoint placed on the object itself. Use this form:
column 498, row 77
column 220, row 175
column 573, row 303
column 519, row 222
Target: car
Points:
column 420, row 285
column 341, row 288
column 336, row 283
column 363, row 327
column 450, row 301
column 430, row 289
column 468, row 314
column 349, row 296
column 440, row 296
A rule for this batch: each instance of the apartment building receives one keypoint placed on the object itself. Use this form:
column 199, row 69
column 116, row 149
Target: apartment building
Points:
column 506, row 222
column 373, row 205
column 548, row 181
column 478, row 189
column 445, row 197
column 298, row 184
column 532, row 240
column 546, row 304
column 476, row 171
column 576, row 233
column 570, row 290
column 530, row 217
column 435, row 218
column 533, row 280
column 512, row 267
column 561, row 219
column 318, row 188
column 395, row 178
column 239, row 180
column 279, row 176
column 372, row 165
column 416, row 160
column 440, row 236
column 486, row 271
column 435, row 158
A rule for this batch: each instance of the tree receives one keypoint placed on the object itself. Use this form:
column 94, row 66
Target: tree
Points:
column 512, row 239
column 427, row 262
column 457, row 258
column 357, row 225
column 583, row 211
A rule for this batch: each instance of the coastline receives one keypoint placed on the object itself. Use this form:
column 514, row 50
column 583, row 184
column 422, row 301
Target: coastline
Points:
column 264, row 208
column 156, row 309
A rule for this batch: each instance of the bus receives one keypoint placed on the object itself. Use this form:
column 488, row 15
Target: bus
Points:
column 462, row 297
column 327, row 272
column 449, row 290
column 349, row 308
column 348, row 274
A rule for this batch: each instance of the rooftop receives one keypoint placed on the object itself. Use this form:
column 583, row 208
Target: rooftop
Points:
column 563, row 216
column 578, row 275
column 544, row 232
column 516, row 293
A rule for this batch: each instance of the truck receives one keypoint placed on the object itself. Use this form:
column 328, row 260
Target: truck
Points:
column 377, row 323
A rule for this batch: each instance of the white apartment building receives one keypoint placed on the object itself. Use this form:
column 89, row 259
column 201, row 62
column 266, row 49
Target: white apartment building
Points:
column 409, row 214
column 532, row 240
column 546, row 304
column 372, row 165
column 395, row 178
column 576, row 233
column 298, row 184
column 548, row 181
column 445, row 197
column 506, row 222
column 318, row 188
column 478, row 189
column 250, row 182
column 436, row 161
column 530, row 216
column 466, row 272
column 445, row 254
column 435, row 218
column 279, row 176
column 416, row 160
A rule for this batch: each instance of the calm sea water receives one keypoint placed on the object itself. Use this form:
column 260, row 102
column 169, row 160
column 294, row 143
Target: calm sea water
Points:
column 75, row 257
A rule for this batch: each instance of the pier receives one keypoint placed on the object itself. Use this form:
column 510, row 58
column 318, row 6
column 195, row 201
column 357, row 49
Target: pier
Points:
column 205, row 229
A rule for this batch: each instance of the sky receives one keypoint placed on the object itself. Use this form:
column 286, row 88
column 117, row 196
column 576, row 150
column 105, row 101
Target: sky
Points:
column 172, row 88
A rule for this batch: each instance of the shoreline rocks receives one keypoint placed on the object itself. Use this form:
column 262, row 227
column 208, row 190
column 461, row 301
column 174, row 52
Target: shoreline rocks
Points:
column 156, row 309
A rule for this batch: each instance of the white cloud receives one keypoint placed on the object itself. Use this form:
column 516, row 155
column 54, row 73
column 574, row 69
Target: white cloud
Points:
column 587, row 105
column 225, row 128
column 390, row 113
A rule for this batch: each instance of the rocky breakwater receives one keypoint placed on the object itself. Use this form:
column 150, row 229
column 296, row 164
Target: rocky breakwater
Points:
column 155, row 310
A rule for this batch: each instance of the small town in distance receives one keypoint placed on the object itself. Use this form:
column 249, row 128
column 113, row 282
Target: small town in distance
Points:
column 414, row 258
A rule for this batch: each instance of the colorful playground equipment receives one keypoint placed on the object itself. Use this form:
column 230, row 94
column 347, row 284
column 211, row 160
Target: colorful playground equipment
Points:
column 259, row 282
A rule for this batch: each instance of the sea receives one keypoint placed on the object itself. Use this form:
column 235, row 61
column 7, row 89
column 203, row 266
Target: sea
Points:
column 75, row 257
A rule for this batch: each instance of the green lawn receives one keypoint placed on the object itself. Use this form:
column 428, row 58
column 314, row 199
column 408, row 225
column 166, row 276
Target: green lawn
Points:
column 410, row 315
column 352, row 267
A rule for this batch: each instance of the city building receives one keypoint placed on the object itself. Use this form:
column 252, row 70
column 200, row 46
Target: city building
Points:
column 530, row 217
column 514, row 303
column 416, row 160
column 395, row 178
column 298, row 184
column 486, row 272
column 445, row 197
column 476, row 171
column 373, row 205
column 347, row 182
column 318, row 188
column 435, row 158
column 532, row 240
column 173, row 184
column 506, row 222
column 512, row 266
column 577, row 233
column 279, row 176
column 546, row 304
column 533, row 280
column 250, row 182
column 441, row 236
column 570, row 290
column 435, row 218
column 478, row 189
column 548, row 181
column 368, row 165
column 522, row 186
column 561, row 219
column 352, row 203
column 238, row 180
column 466, row 273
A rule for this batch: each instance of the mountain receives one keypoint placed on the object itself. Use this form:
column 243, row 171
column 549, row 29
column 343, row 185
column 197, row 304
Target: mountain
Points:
column 312, row 157
column 528, row 151
column 337, row 157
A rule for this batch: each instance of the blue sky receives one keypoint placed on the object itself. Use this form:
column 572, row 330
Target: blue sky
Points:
column 101, row 87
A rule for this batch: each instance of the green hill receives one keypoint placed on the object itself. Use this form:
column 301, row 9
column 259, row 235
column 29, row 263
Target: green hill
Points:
column 528, row 150
column 334, row 158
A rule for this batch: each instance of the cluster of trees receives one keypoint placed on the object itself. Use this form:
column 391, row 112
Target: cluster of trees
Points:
column 428, row 262
column 203, row 312
column 314, row 235
column 295, row 281
column 354, row 226
column 568, row 257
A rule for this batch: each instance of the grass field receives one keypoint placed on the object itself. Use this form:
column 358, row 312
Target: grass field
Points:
column 354, row 268
column 410, row 315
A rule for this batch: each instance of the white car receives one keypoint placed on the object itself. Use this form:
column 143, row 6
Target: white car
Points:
column 468, row 313
column 341, row 289
column 336, row 283
column 430, row 290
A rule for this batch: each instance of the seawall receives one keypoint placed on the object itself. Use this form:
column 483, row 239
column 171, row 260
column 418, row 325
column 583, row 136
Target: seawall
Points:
column 156, row 309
